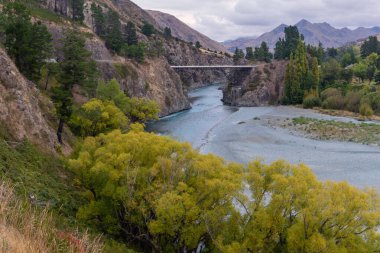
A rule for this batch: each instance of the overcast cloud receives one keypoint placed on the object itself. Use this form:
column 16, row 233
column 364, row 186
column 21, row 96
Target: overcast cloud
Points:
column 230, row 19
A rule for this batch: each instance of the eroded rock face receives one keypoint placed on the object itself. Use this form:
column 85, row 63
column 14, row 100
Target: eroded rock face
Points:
column 21, row 106
column 263, row 85
column 154, row 79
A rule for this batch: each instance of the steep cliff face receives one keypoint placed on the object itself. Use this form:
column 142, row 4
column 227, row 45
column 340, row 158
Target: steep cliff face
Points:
column 263, row 85
column 154, row 79
column 21, row 106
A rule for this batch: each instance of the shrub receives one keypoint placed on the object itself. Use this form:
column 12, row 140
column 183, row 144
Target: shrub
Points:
column 352, row 101
column 366, row 110
column 330, row 92
column 334, row 102
column 311, row 101
column 372, row 99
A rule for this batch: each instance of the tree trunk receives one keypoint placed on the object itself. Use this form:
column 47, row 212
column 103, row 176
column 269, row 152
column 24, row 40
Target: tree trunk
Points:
column 60, row 130
column 47, row 80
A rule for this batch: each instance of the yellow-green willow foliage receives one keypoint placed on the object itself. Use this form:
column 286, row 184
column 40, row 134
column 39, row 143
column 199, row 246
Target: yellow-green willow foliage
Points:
column 155, row 191
column 163, row 196
column 96, row 117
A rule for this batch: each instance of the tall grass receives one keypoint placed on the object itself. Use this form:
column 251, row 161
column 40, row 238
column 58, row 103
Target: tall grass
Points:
column 26, row 229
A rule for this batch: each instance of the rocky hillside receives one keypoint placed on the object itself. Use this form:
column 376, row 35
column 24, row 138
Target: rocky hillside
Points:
column 184, row 32
column 23, row 110
column 263, row 85
column 154, row 78
column 313, row 32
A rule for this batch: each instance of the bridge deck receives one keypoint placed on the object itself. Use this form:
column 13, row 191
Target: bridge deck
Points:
column 216, row 67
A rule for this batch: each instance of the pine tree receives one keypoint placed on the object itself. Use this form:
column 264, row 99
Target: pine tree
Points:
column 167, row 33
column 113, row 37
column 76, row 68
column 370, row 46
column 249, row 54
column 28, row 44
column 99, row 21
column 77, row 7
column 130, row 34
column 147, row 29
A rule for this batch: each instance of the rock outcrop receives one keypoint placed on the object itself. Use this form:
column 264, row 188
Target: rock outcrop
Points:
column 23, row 110
column 263, row 85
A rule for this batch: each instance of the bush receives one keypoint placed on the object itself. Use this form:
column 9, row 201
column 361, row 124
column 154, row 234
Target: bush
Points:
column 334, row 102
column 311, row 101
column 330, row 92
column 366, row 110
column 352, row 101
column 373, row 100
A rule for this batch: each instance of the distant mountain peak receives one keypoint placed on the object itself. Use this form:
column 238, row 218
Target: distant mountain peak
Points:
column 184, row 32
column 314, row 33
column 303, row 22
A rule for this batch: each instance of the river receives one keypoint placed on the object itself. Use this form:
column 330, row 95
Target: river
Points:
column 234, row 134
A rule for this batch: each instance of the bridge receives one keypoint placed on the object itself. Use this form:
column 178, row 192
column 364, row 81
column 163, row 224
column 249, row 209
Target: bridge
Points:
column 216, row 67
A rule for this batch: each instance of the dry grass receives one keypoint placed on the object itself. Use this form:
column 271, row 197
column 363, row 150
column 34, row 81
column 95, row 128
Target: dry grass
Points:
column 25, row 229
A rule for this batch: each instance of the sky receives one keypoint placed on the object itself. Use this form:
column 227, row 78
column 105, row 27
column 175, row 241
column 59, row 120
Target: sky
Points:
column 229, row 19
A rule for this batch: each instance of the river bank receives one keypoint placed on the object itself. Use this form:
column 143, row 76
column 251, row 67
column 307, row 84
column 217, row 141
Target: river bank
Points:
column 242, row 135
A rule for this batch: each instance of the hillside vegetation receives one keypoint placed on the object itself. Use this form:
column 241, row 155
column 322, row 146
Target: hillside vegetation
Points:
column 143, row 192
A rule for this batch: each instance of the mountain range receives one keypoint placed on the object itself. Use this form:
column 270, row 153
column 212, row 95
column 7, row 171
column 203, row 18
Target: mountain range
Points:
column 314, row 33
column 183, row 31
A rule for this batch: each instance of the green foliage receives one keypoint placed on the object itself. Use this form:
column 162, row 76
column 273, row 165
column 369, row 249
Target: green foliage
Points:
column 373, row 100
column 238, row 55
column 249, row 54
column 296, row 81
column 113, row 35
column 167, row 197
column 77, row 8
column 130, row 34
column 98, row 19
column 96, row 117
column 336, row 103
column 285, row 47
column 137, row 109
column 352, row 100
column 366, row 110
column 76, row 68
column 315, row 82
column 136, row 52
column 28, row 44
column 141, row 110
column 167, row 33
column 370, row 46
column 33, row 172
column 331, row 72
column 148, row 29
column 262, row 53
column 198, row 45
column 163, row 188
column 360, row 70
column 311, row 101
